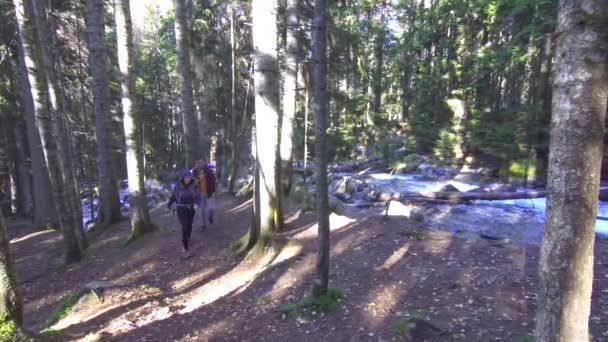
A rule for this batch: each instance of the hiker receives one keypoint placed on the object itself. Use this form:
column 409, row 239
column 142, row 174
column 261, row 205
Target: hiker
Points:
column 206, row 183
column 185, row 196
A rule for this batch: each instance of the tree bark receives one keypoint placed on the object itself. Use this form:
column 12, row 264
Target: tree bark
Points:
column 45, row 214
column 23, row 175
column 58, row 106
column 182, row 37
column 321, row 282
column 290, row 85
column 109, row 204
column 30, row 40
column 266, row 73
column 11, row 310
column 140, row 216
column 580, row 91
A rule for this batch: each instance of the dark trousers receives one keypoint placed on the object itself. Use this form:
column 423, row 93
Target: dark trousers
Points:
column 185, row 216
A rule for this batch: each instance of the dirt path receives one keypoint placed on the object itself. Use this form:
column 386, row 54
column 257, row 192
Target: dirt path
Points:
column 452, row 288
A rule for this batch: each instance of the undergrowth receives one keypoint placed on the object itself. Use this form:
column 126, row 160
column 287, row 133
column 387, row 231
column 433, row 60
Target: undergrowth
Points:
column 64, row 309
column 311, row 305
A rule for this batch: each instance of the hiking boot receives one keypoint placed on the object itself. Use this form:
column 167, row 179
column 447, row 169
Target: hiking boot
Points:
column 211, row 219
column 185, row 255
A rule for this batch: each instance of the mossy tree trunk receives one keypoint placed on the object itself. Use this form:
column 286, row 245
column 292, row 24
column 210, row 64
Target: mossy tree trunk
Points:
column 140, row 216
column 11, row 310
column 266, row 75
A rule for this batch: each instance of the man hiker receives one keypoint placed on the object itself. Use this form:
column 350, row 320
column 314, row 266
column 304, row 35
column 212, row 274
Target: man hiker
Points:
column 185, row 196
column 206, row 184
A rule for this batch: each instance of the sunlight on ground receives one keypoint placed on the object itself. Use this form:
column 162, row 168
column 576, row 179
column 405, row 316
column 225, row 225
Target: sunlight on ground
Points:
column 184, row 283
column 245, row 273
column 243, row 206
column 32, row 235
column 395, row 257
column 437, row 246
column 291, row 276
column 87, row 309
column 381, row 302
column 336, row 222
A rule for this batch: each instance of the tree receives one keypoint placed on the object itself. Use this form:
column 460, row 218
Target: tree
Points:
column 109, row 206
column 266, row 73
column 29, row 38
column 140, row 217
column 11, row 310
column 58, row 107
column 45, row 214
column 580, row 93
column 290, row 85
column 182, row 38
column 320, row 113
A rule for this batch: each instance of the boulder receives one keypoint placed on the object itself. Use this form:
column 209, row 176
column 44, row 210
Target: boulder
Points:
column 398, row 209
column 449, row 188
column 336, row 206
column 344, row 197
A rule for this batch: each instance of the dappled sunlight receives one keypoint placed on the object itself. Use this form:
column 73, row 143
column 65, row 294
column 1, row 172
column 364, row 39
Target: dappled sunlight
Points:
column 292, row 276
column 181, row 284
column 218, row 288
column 336, row 222
column 437, row 246
column 242, row 206
column 395, row 257
column 37, row 234
column 88, row 308
column 381, row 302
column 292, row 249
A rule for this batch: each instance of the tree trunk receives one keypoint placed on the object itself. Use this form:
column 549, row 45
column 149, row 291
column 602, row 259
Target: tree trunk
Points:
column 140, row 217
column 6, row 202
column 45, row 214
column 379, row 57
column 23, row 174
column 109, row 204
column 319, row 58
column 266, row 73
column 544, row 96
column 580, row 91
column 11, row 310
column 290, row 85
column 58, row 106
column 30, row 40
column 182, row 37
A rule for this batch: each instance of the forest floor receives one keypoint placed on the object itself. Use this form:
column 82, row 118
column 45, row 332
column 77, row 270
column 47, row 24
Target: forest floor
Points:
column 398, row 284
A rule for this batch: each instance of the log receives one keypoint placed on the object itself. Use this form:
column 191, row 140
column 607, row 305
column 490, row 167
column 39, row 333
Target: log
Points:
column 349, row 166
column 456, row 197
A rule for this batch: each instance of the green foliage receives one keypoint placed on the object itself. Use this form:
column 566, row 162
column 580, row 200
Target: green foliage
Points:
column 521, row 168
column 8, row 328
column 65, row 307
column 402, row 327
column 312, row 304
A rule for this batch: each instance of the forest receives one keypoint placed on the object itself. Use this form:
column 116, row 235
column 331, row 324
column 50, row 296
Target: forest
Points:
column 371, row 170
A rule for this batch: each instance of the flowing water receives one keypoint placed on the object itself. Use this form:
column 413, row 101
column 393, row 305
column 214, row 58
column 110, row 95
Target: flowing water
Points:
column 520, row 219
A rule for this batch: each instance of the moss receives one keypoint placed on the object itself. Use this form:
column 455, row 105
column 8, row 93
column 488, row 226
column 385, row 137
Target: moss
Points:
column 64, row 309
column 239, row 245
column 139, row 229
column 8, row 328
column 267, row 242
column 318, row 301
column 402, row 327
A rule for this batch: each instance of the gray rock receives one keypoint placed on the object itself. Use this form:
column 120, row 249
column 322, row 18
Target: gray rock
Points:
column 449, row 188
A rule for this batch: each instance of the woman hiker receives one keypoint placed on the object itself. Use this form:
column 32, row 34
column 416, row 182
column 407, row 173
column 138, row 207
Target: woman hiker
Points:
column 206, row 183
column 185, row 196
